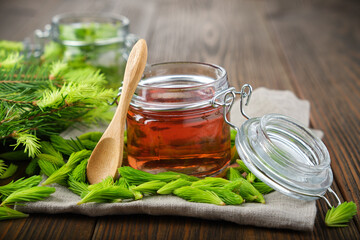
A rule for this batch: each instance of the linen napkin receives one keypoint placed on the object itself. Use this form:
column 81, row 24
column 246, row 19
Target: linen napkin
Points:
column 279, row 211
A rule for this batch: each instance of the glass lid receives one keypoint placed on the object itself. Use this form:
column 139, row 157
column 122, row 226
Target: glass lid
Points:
column 285, row 155
column 281, row 152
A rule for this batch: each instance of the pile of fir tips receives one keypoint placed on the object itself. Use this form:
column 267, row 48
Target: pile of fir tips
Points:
column 64, row 162
column 43, row 98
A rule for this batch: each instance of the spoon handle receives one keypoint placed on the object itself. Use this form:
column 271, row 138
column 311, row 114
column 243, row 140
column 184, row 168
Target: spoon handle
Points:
column 133, row 72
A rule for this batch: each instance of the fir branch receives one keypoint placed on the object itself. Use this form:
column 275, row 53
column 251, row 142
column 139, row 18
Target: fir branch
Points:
column 248, row 191
column 339, row 216
column 233, row 174
column 106, row 194
column 193, row 194
column 46, row 167
column 11, row 170
column 65, row 146
column 28, row 195
column 58, row 69
column 8, row 213
column 60, row 176
column 52, row 159
column 242, row 166
column 30, row 142
column 108, row 181
column 33, row 167
column 11, row 45
column 11, row 60
column 34, row 103
column 79, row 188
column 14, row 156
column 123, row 183
column 21, row 183
column 79, row 173
column 47, row 148
column 262, row 187
column 3, row 167
column 134, row 176
column 227, row 196
column 250, row 177
column 171, row 186
column 211, row 182
column 149, row 187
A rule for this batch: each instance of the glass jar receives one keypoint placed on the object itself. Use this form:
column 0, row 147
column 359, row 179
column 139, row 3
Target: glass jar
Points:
column 102, row 41
column 171, row 123
column 179, row 120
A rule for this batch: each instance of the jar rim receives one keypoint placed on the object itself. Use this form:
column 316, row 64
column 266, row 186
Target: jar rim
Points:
column 110, row 16
column 98, row 17
column 214, row 66
column 178, row 86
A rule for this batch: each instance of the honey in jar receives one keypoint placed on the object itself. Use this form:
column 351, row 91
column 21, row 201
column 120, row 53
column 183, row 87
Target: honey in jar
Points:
column 172, row 125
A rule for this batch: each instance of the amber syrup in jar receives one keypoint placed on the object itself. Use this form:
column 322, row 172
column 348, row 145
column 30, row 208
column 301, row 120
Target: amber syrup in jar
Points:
column 172, row 127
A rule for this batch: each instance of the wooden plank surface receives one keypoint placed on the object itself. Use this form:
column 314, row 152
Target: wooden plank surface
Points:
column 309, row 47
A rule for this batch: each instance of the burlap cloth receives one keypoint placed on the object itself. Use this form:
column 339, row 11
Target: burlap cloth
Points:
column 279, row 211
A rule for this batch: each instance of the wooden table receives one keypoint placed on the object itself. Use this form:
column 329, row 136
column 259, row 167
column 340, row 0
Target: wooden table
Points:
column 309, row 47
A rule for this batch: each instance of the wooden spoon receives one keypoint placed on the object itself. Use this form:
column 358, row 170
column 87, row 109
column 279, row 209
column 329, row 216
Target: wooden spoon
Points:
column 108, row 153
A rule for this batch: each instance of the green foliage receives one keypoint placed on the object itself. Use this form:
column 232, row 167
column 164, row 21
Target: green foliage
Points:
column 233, row 174
column 123, row 183
column 250, row 177
column 31, row 143
column 79, row 172
column 106, row 194
column 46, row 167
column 149, row 187
column 211, row 182
column 28, row 195
column 2, row 167
column 193, row 194
column 177, row 175
column 92, row 136
column 53, row 52
column 11, row 46
column 242, row 167
column 136, row 177
column 171, row 186
column 14, row 156
column 339, row 216
column 21, row 183
column 60, row 176
column 248, row 191
column 51, row 159
column 79, row 188
column 11, row 170
column 11, row 60
column 39, row 101
column 262, row 187
column 47, row 148
column 33, row 167
column 8, row 213
column 227, row 196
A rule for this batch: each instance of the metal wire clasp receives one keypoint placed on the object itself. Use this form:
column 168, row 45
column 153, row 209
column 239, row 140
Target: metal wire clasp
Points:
column 226, row 99
column 115, row 99
column 327, row 201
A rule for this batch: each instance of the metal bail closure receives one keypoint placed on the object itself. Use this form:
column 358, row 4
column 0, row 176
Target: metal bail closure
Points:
column 281, row 152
